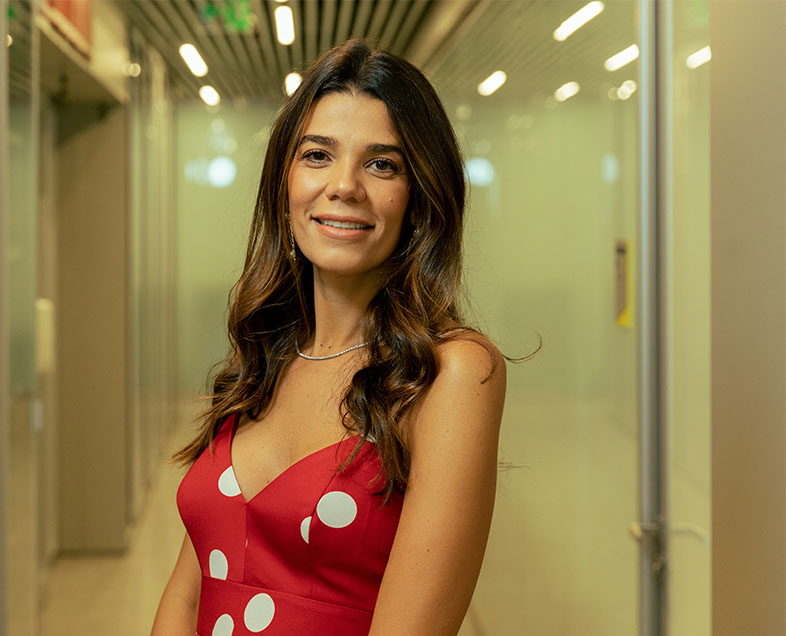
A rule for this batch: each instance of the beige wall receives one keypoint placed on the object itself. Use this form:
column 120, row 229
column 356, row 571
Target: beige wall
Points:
column 92, row 290
column 748, row 140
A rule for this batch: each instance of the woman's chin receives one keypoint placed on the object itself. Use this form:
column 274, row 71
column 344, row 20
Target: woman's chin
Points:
column 341, row 269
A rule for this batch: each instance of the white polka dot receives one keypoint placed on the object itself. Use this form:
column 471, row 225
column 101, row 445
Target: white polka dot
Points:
column 227, row 483
column 304, row 528
column 219, row 566
column 259, row 612
column 337, row 509
column 224, row 626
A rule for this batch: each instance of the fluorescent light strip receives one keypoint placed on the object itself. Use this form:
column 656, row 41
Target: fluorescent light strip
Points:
column 566, row 91
column 626, row 56
column 209, row 95
column 702, row 56
column 291, row 82
column 492, row 83
column 193, row 60
column 578, row 20
column 285, row 25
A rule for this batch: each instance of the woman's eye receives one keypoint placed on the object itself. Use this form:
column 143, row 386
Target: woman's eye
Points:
column 384, row 165
column 316, row 156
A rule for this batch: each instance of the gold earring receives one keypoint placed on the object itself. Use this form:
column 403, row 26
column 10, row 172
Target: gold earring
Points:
column 292, row 252
column 415, row 234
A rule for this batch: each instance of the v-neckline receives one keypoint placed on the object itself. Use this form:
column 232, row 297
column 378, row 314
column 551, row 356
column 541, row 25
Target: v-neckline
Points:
column 247, row 500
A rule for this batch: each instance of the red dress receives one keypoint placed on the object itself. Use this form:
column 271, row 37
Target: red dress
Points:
column 303, row 557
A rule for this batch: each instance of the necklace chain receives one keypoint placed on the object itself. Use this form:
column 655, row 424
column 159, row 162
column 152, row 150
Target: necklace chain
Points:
column 332, row 355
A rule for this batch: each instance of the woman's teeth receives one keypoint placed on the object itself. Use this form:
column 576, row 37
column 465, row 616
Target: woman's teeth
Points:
column 344, row 225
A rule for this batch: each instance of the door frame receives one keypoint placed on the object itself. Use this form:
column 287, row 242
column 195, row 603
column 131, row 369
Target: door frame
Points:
column 4, row 402
column 654, row 268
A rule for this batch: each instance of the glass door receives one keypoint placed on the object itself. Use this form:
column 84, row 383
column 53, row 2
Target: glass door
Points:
column 548, row 116
column 21, row 406
column 688, row 276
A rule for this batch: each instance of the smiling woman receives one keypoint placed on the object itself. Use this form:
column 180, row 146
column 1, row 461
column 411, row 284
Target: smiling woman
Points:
column 343, row 480
column 348, row 191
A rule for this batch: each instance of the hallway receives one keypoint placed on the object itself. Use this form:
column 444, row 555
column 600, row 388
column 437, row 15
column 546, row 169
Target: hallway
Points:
column 118, row 595
column 624, row 204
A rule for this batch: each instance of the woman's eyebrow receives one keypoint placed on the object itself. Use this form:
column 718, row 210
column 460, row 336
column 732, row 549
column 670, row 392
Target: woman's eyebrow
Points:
column 384, row 148
column 330, row 142
column 320, row 140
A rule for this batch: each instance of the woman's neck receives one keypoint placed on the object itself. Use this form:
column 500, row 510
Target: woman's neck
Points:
column 340, row 304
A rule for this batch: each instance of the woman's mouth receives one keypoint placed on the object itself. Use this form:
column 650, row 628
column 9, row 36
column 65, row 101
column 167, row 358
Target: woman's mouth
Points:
column 344, row 225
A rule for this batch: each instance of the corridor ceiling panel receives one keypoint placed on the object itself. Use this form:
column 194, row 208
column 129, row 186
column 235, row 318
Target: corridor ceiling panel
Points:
column 237, row 38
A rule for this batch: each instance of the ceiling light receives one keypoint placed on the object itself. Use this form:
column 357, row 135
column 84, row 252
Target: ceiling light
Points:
column 626, row 56
column 285, row 25
column 291, row 82
column 566, row 91
column 193, row 60
column 627, row 89
column 132, row 69
column 209, row 95
column 702, row 56
column 492, row 83
column 578, row 20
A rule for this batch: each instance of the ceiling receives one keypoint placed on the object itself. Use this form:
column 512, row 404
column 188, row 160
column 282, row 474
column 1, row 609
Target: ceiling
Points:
column 237, row 38
column 516, row 37
column 457, row 43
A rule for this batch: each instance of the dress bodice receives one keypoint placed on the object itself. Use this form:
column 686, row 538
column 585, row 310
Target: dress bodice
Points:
column 304, row 556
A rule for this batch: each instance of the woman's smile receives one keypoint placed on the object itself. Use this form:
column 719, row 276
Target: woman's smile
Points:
column 342, row 227
column 348, row 186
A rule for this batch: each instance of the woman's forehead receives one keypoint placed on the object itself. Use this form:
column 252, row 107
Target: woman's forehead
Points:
column 350, row 116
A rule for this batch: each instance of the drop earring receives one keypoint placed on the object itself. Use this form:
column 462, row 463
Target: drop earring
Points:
column 415, row 234
column 292, row 252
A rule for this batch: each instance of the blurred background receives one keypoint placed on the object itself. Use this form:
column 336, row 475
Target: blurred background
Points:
column 133, row 134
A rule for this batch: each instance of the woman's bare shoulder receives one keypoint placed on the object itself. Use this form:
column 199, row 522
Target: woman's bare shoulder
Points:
column 468, row 355
column 469, row 390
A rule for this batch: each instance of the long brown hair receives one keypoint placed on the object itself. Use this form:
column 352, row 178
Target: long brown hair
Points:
column 415, row 309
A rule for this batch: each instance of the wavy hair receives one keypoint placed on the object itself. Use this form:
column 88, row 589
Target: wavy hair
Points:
column 415, row 309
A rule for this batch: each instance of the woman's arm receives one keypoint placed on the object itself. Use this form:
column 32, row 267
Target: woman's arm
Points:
column 441, row 537
column 177, row 611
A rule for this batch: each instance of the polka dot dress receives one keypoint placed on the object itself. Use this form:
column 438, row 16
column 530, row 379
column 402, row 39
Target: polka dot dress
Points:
column 303, row 557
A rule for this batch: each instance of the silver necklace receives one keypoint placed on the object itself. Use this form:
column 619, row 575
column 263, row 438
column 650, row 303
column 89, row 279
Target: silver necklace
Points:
column 332, row 355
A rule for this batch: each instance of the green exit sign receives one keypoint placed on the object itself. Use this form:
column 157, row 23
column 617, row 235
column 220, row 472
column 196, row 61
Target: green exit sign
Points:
column 234, row 15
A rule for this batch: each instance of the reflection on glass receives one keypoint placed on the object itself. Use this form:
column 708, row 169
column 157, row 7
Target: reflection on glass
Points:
column 541, row 248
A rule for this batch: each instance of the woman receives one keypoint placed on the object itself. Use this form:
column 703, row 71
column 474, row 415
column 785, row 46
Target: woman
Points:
column 343, row 480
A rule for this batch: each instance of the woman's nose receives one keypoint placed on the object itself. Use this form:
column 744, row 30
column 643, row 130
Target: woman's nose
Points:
column 345, row 182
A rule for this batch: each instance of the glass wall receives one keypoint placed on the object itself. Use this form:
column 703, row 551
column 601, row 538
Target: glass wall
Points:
column 689, row 282
column 152, row 294
column 22, row 403
column 219, row 153
column 553, row 166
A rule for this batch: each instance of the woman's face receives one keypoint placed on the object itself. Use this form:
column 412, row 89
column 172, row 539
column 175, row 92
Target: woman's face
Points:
column 348, row 189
